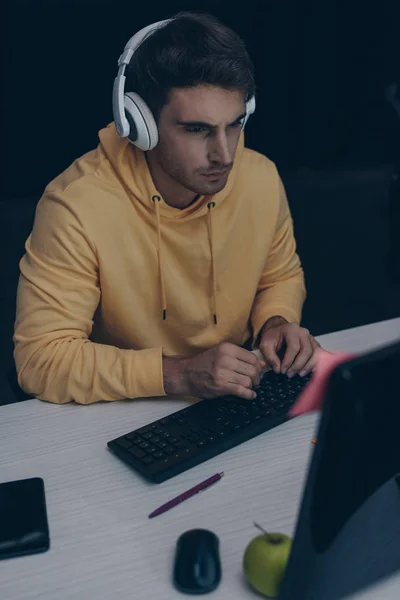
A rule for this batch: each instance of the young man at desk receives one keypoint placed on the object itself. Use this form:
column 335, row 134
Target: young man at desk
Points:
column 156, row 256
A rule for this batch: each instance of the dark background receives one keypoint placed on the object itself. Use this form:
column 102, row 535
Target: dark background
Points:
column 322, row 69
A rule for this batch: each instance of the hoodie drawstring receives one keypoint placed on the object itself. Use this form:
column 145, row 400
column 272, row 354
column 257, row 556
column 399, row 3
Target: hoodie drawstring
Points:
column 210, row 205
column 156, row 200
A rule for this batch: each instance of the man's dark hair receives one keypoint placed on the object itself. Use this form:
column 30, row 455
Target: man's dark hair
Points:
column 194, row 48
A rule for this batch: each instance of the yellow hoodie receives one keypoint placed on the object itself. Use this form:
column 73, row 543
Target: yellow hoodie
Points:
column 113, row 278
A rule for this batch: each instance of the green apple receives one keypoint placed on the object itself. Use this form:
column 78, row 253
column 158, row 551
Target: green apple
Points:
column 265, row 560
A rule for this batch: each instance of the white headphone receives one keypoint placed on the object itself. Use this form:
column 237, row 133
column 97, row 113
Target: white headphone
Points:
column 133, row 118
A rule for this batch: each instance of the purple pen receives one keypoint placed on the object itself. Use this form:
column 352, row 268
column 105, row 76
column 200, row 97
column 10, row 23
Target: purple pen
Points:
column 185, row 495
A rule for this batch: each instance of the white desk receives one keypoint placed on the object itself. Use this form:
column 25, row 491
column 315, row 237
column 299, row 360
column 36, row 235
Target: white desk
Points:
column 103, row 546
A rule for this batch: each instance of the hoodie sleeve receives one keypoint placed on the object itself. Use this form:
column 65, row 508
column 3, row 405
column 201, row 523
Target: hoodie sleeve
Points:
column 58, row 294
column 281, row 289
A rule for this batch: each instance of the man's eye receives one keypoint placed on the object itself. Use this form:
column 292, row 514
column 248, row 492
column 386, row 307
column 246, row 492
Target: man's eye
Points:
column 199, row 129
column 195, row 129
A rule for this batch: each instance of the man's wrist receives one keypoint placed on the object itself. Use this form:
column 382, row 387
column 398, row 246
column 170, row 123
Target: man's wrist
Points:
column 174, row 376
column 274, row 321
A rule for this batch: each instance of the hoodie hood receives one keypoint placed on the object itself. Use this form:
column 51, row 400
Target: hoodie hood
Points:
column 131, row 169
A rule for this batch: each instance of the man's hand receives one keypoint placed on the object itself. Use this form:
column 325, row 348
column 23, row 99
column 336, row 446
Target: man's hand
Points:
column 299, row 345
column 219, row 371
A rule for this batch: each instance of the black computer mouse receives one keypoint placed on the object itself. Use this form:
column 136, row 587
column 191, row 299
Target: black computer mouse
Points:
column 197, row 567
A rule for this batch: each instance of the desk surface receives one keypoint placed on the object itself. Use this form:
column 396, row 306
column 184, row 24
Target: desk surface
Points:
column 103, row 546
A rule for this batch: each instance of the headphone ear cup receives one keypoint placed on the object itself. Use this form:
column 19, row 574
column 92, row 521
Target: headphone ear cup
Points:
column 250, row 108
column 143, row 131
column 132, row 135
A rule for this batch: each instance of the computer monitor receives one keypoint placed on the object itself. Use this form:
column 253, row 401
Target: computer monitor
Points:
column 348, row 528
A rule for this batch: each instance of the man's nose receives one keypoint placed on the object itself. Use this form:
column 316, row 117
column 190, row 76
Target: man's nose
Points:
column 220, row 151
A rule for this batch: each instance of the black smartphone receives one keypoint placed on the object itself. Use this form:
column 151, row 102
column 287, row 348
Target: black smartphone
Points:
column 24, row 526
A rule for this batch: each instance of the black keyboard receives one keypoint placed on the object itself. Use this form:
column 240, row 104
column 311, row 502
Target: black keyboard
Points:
column 188, row 437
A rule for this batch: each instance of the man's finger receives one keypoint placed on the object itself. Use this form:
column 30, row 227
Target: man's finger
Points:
column 248, row 357
column 311, row 364
column 243, row 380
column 242, row 392
column 269, row 351
column 251, row 371
column 293, row 347
column 305, row 354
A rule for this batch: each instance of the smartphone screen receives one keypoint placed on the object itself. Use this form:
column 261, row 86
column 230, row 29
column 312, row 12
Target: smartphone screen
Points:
column 23, row 518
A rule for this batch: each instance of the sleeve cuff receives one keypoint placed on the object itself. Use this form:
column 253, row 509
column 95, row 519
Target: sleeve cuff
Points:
column 147, row 373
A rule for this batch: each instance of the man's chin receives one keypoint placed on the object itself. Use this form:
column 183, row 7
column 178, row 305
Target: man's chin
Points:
column 212, row 187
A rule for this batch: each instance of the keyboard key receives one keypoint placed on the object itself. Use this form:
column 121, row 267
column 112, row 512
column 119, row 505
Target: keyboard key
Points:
column 181, row 444
column 183, row 454
column 162, row 444
column 142, row 430
column 158, row 454
column 147, row 460
column 137, row 452
column 158, row 431
column 205, row 431
column 124, row 443
column 144, row 445
column 147, row 436
column 169, row 449
column 134, row 438
column 267, row 412
column 273, row 400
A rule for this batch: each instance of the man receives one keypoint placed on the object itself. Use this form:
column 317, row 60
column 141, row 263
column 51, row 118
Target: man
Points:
column 147, row 271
